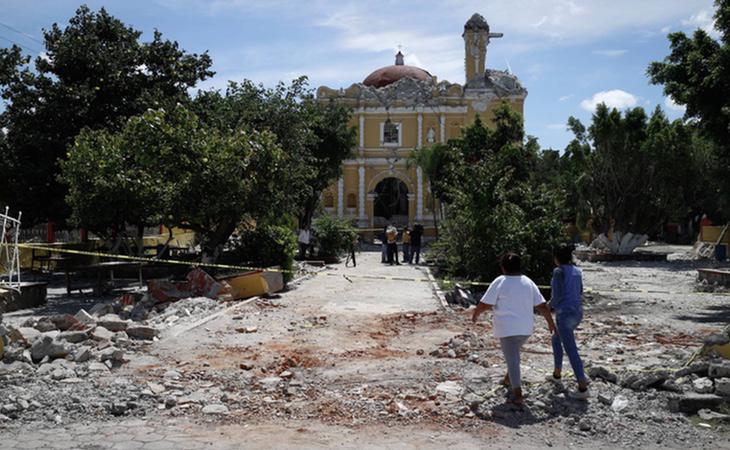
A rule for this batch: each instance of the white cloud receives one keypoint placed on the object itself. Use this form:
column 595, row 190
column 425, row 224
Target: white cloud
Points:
column 565, row 98
column 674, row 106
column 609, row 53
column 702, row 19
column 615, row 98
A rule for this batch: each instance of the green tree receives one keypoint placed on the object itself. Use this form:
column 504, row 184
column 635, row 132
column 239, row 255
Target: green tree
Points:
column 695, row 75
column 638, row 170
column 316, row 138
column 95, row 73
column 495, row 204
column 432, row 162
column 172, row 169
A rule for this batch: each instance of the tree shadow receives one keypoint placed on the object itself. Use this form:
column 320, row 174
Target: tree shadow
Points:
column 713, row 314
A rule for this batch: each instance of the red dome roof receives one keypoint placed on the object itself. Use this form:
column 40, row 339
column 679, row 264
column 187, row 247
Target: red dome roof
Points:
column 390, row 74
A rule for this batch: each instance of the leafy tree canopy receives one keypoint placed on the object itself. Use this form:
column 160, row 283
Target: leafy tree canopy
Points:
column 94, row 74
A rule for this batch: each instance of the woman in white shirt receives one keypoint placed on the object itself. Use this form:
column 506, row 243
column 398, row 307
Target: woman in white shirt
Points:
column 513, row 297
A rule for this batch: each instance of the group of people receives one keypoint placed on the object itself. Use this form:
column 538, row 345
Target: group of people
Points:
column 512, row 298
column 410, row 243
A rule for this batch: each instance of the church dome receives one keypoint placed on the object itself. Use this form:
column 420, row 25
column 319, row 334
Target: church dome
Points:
column 390, row 74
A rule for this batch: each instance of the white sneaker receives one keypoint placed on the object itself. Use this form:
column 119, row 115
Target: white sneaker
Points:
column 553, row 380
column 579, row 395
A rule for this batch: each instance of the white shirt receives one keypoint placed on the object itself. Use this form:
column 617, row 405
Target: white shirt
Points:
column 513, row 299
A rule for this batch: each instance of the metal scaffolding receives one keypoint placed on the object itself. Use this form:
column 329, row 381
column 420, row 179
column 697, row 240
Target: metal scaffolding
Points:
column 9, row 251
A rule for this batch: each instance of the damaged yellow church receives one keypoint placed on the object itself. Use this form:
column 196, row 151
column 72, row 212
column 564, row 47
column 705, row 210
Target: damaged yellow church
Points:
column 399, row 108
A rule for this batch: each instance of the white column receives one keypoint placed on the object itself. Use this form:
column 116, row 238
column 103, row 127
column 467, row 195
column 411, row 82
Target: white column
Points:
column 419, row 194
column 340, row 197
column 361, row 192
column 362, row 131
column 442, row 126
column 420, row 130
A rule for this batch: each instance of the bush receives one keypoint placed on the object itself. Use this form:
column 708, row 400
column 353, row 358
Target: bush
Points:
column 269, row 245
column 332, row 236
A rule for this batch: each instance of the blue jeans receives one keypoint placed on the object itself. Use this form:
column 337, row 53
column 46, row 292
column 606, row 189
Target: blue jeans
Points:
column 566, row 322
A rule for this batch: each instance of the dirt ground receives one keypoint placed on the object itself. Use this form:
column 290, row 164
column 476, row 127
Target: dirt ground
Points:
column 349, row 362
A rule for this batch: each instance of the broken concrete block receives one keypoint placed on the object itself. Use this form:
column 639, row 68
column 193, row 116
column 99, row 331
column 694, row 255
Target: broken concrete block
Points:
column 645, row 381
column 45, row 324
column 699, row 368
column 24, row 335
column 46, row 346
column 722, row 386
column 690, row 403
column 156, row 388
column 98, row 367
column 215, row 409
column 112, row 322
column 111, row 354
column 603, row 374
column 84, row 317
column 65, row 322
column 719, row 369
column 703, row 385
column 246, row 365
column 15, row 367
column 142, row 332
column 74, row 336
column 101, row 334
column 83, row 354
column 101, row 309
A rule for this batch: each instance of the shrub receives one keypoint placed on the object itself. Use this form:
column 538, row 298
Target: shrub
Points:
column 332, row 235
column 269, row 245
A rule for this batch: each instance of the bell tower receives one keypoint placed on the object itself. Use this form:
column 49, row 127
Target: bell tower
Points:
column 476, row 39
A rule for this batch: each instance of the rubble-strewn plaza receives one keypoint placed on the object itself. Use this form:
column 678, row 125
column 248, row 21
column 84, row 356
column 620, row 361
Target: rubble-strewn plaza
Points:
column 338, row 362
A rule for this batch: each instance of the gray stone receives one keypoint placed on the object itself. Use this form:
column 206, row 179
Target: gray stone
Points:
column 84, row 317
column 172, row 375
column 98, row 367
column 101, row 334
column 156, row 388
column 142, row 332
column 717, row 339
column 24, row 334
column 706, row 414
column 215, row 409
column 118, row 408
column 15, row 367
column 603, row 374
column 170, row 401
column 101, row 309
column 45, row 324
column 47, row 347
column 690, row 403
column 111, row 354
column 246, row 365
column 83, row 354
column 703, row 385
column 62, row 373
column 74, row 336
column 112, row 322
column 651, row 379
column 64, row 322
column 619, row 403
column 606, row 400
column 719, row 369
column 722, row 386
column 699, row 368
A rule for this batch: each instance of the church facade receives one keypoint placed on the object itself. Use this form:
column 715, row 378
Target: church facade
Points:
column 398, row 109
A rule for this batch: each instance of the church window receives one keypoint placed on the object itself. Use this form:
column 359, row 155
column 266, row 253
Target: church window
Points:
column 329, row 200
column 390, row 133
column 351, row 201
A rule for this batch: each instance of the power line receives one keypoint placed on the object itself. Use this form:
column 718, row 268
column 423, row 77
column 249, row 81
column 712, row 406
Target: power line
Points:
column 20, row 45
column 20, row 32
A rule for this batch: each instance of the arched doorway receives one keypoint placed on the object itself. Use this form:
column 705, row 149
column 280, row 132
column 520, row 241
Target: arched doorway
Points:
column 391, row 203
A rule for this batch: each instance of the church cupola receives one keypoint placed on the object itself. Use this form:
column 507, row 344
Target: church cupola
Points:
column 476, row 39
column 399, row 58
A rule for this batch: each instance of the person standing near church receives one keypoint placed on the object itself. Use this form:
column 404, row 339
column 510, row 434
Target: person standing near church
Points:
column 415, row 249
column 406, row 244
column 392, row 238
column 303, row 243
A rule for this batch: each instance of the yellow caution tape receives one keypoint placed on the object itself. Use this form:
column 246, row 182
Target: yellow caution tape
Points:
column 140, row 259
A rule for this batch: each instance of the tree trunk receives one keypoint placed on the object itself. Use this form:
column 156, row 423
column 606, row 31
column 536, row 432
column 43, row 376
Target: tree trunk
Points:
column 212, row 242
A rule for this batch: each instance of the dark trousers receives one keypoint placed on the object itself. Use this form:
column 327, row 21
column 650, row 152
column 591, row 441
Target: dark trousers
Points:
column 303, row 250
column 406, row 252
column 393, row 253
column 415, row 251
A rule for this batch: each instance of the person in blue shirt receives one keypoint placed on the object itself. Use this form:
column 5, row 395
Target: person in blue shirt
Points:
column 566, row 302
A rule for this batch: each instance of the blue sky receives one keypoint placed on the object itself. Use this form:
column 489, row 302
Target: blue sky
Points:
column 568, row 54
